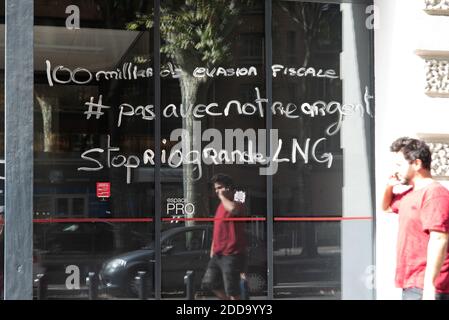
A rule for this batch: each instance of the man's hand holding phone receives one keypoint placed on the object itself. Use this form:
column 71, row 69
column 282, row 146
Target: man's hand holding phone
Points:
column 394, row 180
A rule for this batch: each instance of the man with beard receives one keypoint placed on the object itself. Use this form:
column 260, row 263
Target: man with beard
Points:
column 422, row 268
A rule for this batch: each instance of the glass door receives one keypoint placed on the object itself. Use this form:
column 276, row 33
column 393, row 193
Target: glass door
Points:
column 93, row 133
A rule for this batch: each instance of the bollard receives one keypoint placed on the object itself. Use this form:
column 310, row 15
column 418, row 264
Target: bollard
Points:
column 41, row 284
column 188, row 281
column 92, row 284
column 141, row 280
column 244, row 289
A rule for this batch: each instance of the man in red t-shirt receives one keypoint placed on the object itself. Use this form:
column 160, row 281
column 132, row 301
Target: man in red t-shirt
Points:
column 228, row 248
column 2, row 253
column 422, row 268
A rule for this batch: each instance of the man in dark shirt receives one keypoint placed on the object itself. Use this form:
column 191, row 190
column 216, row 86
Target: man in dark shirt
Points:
column 228, row 248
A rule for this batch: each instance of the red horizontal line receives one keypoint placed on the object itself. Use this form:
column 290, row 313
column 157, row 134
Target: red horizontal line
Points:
column 275, row 219
column 213, row 219
column 323, row 219
column 72, row 220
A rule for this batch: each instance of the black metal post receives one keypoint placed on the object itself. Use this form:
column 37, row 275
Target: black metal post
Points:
column 151, row 278
column 141, row 279
column 92, row 284
column 157, row 151
column 190, row 287
column 269, row 126
column 244, row 289
column 41, row 284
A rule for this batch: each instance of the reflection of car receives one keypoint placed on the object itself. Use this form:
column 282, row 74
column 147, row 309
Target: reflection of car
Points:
column 84, row 245
column 307, row 261
column 183, row 249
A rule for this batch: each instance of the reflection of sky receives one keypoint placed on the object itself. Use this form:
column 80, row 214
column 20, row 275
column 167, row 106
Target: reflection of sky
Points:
column 94, row 49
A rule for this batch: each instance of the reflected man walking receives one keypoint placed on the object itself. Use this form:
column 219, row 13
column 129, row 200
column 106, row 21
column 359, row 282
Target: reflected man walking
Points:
column 228, row 249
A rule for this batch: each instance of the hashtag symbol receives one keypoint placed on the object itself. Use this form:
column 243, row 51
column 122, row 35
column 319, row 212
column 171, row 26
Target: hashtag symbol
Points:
column 95, row 108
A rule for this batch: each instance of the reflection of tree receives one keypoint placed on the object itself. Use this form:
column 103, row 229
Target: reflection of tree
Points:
column 194, row 33
column 116, row 13
column 309, row 16
column 316, row 21
column 47, row 112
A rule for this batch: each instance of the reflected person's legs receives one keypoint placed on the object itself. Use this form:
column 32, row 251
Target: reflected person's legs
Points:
column 221, row 294
column 212, row 279
column 231, row 267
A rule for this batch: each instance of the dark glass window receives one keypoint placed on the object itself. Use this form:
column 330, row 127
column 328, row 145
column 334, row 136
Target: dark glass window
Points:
column 227, row 42
column 96, row 134
column 93, row 195
column 312, row 196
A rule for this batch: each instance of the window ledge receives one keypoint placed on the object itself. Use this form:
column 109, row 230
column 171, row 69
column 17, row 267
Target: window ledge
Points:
column 437, row 12
column 437, row 72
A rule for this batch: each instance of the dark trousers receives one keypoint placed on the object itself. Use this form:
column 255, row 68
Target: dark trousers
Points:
column 416, row 294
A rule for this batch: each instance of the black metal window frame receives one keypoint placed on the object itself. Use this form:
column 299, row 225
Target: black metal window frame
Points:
column 19, row 85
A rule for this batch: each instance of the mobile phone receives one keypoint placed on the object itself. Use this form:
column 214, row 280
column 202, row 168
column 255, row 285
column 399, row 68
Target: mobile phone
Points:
column 401, row 181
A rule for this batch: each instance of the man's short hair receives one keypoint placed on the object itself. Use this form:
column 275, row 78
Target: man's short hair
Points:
column 413, row 149
column 223, row 179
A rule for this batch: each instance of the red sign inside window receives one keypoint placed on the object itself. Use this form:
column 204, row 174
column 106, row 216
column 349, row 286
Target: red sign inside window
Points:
column 103, row 189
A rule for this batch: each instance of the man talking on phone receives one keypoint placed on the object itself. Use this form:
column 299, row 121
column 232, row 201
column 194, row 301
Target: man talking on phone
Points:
column 422, row 263
column 228, row 249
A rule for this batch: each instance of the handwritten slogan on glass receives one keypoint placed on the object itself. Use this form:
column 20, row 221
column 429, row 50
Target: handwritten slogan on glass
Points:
column 250, row 146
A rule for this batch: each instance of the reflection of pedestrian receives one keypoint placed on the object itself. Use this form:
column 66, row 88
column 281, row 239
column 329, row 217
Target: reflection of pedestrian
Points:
column 228, row 248
column 422, row 269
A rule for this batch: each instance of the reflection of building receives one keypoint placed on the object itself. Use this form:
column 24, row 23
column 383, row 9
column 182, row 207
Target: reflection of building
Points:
column 315, row 222
column 308, row 251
